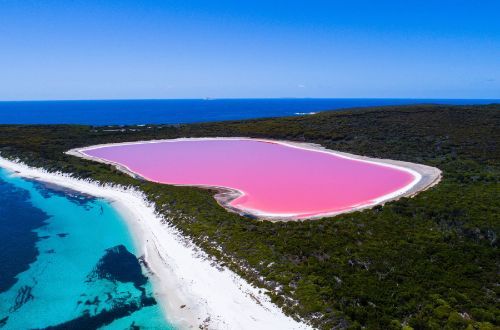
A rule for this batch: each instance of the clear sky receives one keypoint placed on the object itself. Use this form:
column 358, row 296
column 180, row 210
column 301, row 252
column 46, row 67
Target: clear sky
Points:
column 193, row 49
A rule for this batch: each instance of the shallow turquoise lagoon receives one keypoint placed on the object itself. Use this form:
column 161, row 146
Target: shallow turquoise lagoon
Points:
column 79, row 270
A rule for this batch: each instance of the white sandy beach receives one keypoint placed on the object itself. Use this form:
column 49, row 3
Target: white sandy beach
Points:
column 193, row 290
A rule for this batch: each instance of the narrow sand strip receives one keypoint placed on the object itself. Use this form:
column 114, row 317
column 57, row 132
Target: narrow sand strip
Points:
column 424, row 176
column 193, row 290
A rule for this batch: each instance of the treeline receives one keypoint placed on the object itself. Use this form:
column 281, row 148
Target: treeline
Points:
column 428, row 262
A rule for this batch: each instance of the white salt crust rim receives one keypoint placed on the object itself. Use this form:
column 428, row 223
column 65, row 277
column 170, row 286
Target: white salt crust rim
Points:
column 434, row 173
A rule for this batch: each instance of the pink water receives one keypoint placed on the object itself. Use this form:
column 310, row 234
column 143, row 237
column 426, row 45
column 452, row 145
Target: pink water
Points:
column 276, row 179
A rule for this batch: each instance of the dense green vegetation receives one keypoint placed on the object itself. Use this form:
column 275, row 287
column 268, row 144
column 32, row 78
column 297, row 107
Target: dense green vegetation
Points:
column 428, row 262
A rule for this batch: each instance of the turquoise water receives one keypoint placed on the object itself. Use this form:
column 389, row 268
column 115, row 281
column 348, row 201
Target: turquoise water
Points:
column 80, row 269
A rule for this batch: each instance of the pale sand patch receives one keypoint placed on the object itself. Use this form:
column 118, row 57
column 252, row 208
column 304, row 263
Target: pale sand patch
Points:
column 214, row 296
column 424, row 176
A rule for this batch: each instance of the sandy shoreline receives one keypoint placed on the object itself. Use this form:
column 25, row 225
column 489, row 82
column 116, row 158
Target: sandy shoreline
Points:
column 424, row 176
column 214, row 297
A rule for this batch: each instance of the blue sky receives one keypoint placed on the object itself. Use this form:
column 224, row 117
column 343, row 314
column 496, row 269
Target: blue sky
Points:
column 193, row 49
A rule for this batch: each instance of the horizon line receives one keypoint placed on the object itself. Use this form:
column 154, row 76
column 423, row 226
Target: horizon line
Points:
column 247, row 98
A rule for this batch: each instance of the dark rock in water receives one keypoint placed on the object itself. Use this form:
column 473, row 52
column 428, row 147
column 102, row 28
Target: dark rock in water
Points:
column 48, row 190
column 105, row 317
column 50, row 251
column 62, row 235
column 94, row 302
column 118, row 264
column 18, row 220
column 3, row 321
column 147, row 301
column 23, row 296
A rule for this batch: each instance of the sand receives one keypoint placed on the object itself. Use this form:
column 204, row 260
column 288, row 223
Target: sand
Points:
column 192, row 289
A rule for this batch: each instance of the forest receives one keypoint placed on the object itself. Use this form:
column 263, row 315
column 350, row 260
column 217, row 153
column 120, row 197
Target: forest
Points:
column 427, row 262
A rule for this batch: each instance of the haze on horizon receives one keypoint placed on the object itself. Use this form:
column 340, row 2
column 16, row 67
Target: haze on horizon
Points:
column 126, row 49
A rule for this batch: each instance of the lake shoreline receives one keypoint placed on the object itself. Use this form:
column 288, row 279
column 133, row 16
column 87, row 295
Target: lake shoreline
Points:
column 194, row 291
column 424, row 177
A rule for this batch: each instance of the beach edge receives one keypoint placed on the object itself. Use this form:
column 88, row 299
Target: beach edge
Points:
column 192, row 288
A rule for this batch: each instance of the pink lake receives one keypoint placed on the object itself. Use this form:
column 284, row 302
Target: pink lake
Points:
column 273, row 178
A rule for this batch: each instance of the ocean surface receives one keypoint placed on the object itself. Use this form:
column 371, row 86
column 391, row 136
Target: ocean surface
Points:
column 67, row 261
column 132, row 112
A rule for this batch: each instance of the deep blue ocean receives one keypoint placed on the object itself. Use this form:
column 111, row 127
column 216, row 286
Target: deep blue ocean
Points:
column 67, row 261
column 131, row 112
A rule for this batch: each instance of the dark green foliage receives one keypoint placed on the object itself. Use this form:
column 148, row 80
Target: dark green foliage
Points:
column 428, row 262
